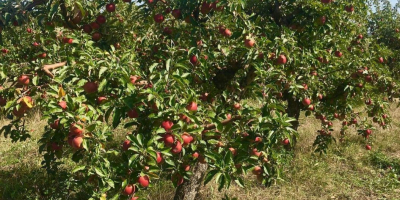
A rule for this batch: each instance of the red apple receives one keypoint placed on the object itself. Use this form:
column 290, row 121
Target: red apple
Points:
column 167, row 125
column 144, row 181
column 177, row 13
column 77, row 143
column 257, row 170
column 195, row 155
column 258, row 139
column 187, row 138
column 349, row 8
column 236, row 106
column 177, row 148
column 321, row 20
column 159, row 18
column 285, row 141
column 129, row 189
column 23, row 80
column 101, row 100
column 192, row 106
column 159, row 158
column 368, row 131
column 96, row 36
column 169, row 139
column 3, row 101
column 367, row 147
column 194, row 60
column 75, row 131
column 233, row 150
column 338, row 54
column 381, row 60
column 205, row 8
column 281, row 60
column 101, row 19
column 87, row 28
column 306, row 101
column 63, row 105
column 90, row 87
column 133, row 114
column 110, row 7
column 249, row 43
column 93, row 25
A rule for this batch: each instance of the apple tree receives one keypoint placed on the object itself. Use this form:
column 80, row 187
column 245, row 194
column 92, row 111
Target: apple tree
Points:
column 207, row 89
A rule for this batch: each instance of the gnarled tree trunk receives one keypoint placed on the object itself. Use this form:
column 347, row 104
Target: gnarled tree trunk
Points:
column 191, row 189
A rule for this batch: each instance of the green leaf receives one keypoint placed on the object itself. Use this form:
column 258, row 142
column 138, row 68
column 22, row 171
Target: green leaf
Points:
column 99, row 172
column 79, row 168
column 210, row 175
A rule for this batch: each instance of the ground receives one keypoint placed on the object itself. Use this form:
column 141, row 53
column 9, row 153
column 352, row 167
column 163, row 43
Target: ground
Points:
column 347, row 171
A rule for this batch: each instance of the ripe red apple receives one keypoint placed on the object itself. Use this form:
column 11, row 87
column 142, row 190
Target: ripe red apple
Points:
column 195, row 155
column 110, row 7
column 35, row 44
column 258, row 139
column 349, row 8
column 186, row 167
column 384, row 116
column 177, row 13
column 4, row 50
column 368, row 131
column 338, row 54
column 257, row 170
column 96, row 36
column 233, row 150
column 63, row 105
column 132, row 198
column 367, row 147
column 101, row 100
column 167, row 125
column 192, row 106
column 77, row 143
column 187, row 139
column 360, row 37
column 354, row 121
column 381, row 60
column 19, row 112
column 90, row 87
column 311, row 108
column 167, row 31
column 194, row 60
column 306, row 101
column 3, row 101
column 177, row 148
column 144, row 181
column 23, row 80
column 321, row 20
column 281, row 60
column 87, row 28
column 285, row 141
column 159, row 158
column 249, row 43
column 205, row 8
column 133, row 114
column 169, row 139
column 159, row 18
column 305, row 86
column 67, row 40
column 75, row 131
column 126, row 145
column 368, row 101
column 236, row 106
column 101, row 19
column 92, row 26
column 129, row 189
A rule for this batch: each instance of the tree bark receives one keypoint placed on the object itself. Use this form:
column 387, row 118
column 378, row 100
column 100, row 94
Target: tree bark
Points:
column 293, row 110
column 190, row 189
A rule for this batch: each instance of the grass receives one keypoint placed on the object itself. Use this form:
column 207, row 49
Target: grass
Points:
column 347, row 171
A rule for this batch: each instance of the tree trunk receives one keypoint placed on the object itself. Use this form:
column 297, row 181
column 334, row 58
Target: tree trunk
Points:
column 190, row 189
column 293, row 110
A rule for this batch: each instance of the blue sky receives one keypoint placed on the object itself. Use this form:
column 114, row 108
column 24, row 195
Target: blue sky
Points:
column 393, row 1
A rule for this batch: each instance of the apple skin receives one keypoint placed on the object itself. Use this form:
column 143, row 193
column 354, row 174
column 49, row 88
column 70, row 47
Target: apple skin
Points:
column 159, row 159
column 381, row 60
column 257, row 170
column 281, row 60
column 96, row 36
column 233, row 150
column 144, row 181
column 177, row 148
column 249, row 43
column 194, row 60
column 159, row 18
column 23, row 80
column 195, row 155
column 87, row 28
column 101, row 19
column 306, row 102
column 349, row 8
column 75, row 131
column 169, row 139
column 167, row 125
column 236, row 106
column 192, row 106
column 187, row 139
column 321, row 20
column 101, row 100
column 338, row 54
column 129, row 189
column 90, row 87
column 285, row 142
column 3, row 101
column 205, row 8
column 368, row 147
column 126, row 145
column 255, row 152
column 368, row 131
column 77, row 142
column 110, row 7
column 133, row 114
column 63, row 105
column 93, row 26
column 177, row 13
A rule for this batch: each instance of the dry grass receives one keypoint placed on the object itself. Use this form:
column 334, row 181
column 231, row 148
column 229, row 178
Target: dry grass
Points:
column 347, row 171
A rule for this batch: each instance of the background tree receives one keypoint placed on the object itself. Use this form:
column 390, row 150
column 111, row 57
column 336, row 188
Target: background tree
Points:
column 207, row 89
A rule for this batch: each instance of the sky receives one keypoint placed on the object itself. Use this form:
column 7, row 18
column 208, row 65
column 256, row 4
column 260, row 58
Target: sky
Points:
column 393, row 2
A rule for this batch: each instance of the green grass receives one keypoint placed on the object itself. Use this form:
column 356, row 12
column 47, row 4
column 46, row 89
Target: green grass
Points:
column 347, row 171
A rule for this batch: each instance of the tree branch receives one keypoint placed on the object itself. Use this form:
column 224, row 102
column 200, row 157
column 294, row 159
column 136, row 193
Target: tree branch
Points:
column 47, row 68
column 227, row 121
